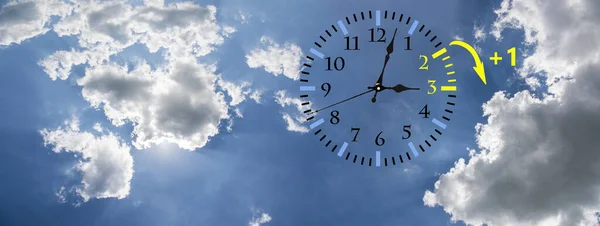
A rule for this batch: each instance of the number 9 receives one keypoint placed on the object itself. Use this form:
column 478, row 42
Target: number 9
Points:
column 326, row 87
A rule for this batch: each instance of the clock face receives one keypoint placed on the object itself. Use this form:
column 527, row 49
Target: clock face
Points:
column 379, row 89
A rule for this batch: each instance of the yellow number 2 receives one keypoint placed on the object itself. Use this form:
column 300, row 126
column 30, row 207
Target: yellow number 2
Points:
column 432, row 85
column 424, row 66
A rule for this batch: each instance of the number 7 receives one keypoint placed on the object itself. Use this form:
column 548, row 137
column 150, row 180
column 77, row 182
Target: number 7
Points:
column 355, row 135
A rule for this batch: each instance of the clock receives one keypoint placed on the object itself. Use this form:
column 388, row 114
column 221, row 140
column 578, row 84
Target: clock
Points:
column 378, row 89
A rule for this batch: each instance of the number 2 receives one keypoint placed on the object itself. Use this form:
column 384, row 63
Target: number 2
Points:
column 424, row 66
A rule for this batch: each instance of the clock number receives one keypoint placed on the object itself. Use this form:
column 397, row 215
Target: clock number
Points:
column 379, row 141
column 355, row 135
column 407, row 131
column 381, row 39
column 424, row 66
column 432, row 86
column 338, row 63
column 334, row 117
column 407, row 43
column 326, row 87
column 425, row 112
column 355, row 38
column 513, row 56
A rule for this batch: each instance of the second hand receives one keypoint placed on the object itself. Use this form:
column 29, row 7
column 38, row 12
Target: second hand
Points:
column 355, row 96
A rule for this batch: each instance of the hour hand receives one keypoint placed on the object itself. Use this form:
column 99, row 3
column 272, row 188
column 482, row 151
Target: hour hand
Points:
column 399, row 88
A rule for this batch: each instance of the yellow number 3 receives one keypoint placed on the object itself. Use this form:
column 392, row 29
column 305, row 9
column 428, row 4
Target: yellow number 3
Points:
column 432, row 85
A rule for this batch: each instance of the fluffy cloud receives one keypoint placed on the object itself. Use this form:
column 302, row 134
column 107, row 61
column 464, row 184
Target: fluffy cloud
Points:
column 293, row 123
column 243, row 17
column 106, row 28
column 239, row 92
column 256, row 95
column 276, row 59
column 178, row 101
column 565, row 35
column 175, row 103
column 105, row 164
column 262, row 218
column 538, row 158
column 26, row 19
column 479, row 33
column 293, row 109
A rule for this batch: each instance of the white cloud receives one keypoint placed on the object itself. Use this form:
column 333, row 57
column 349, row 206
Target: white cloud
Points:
column 61, row 195
column 175, row 102
column 256, row 96
column 261, row 219
column 276, row 59
column 564, row 36
column 293, row 124
column 106, row 166
column 479, row 33
column 107, row 28
column 98, row 128
column 293, row 118
column 243, row 17
column 457, row 37
column 238, row 93
column 26, row 19
column 538, row 158
column 284, row 100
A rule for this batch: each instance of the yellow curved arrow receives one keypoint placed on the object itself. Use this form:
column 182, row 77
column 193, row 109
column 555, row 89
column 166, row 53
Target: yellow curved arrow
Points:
column 479, row 69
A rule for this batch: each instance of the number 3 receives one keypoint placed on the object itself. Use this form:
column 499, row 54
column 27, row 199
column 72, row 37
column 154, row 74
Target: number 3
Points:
column 424, row 66
column 432, row 85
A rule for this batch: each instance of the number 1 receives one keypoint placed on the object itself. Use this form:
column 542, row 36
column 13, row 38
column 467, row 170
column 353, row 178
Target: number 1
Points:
column 513, row 56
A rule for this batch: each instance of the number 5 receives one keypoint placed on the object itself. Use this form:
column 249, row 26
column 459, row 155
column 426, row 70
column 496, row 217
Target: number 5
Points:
column 432, row 85
column 424, row 66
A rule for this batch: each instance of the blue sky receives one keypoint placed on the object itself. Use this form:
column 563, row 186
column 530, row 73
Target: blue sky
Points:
column 176, row 127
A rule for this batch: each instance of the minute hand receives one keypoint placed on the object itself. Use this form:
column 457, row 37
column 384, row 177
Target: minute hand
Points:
column 390, row 50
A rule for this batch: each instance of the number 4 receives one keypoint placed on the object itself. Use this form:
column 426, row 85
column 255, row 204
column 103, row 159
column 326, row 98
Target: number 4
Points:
column 425, row 112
